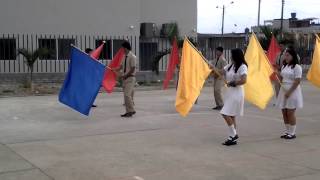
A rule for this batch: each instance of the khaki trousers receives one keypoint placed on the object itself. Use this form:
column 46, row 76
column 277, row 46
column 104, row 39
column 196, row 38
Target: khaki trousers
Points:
column 217, row 87
column 128, row 88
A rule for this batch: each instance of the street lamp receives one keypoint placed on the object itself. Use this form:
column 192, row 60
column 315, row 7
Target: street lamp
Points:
column 223, row 8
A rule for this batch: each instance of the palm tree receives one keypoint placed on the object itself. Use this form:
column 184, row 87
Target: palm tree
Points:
column 30, row 58
column 267, row 35
column 173, row 33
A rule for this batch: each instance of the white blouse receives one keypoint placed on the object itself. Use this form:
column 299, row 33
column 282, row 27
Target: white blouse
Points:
column 289, row 75
column 232, row 76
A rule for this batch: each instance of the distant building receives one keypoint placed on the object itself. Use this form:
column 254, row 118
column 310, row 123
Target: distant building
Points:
column 209, row 42
column 293, row 25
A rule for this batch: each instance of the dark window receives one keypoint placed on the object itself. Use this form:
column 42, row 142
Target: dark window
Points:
column 148, row 50
column 49, row 44
column 64, row 48
column 117, row 45
column 106, row 52
column 7, row 49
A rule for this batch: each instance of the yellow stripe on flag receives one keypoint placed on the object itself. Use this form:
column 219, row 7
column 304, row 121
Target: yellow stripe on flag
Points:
column 258, row 88
column 193, row 72
column 314, row 72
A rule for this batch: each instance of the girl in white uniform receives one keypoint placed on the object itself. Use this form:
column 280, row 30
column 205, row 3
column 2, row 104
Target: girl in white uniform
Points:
column 290, row 95
column 236, row 76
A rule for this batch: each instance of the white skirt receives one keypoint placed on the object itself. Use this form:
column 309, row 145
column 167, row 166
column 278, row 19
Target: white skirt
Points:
column 233, row 101
column 293, row 102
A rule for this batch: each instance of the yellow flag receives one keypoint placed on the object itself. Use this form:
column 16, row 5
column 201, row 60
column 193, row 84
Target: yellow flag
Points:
column 258, row 88
column 314, row 72
column 193, row 72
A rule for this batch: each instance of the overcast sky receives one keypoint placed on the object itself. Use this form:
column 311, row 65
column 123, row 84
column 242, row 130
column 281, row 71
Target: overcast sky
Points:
column 244, row 13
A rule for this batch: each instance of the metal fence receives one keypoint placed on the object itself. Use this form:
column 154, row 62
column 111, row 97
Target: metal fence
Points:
column 59, row 47
column 145, row 48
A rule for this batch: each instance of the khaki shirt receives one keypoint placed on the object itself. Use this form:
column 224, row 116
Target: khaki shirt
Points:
column 128, row 62
column 219, row 63
column 279, row 60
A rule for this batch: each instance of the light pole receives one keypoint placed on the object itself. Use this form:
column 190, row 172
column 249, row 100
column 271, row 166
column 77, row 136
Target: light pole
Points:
column 222, row 23
column 259, row 13
column 281, row 26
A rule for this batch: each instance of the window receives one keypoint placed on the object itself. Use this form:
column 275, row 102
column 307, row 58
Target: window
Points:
column 148, row 50
column 7, row 49
column 64, row 48
column 49, row 44
column 106, row 52
column 117, row 45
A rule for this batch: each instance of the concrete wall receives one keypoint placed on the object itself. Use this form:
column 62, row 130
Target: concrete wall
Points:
column 107, row 17
column 165, row 11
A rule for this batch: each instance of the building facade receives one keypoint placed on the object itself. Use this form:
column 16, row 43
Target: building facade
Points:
column 55, row 24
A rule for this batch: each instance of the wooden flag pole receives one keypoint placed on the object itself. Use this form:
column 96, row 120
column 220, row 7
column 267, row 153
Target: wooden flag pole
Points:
column 218, row 73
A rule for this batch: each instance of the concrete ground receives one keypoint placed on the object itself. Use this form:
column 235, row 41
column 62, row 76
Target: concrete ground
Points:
column 42, row 139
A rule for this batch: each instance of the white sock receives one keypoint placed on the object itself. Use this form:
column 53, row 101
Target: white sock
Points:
column 232, row 131
column 287, row 131
column 292, row 130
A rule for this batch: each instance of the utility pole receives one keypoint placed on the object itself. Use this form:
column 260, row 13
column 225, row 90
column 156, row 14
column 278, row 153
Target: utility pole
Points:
column 259, row 13
column 281, row 26
column 222, row 27
column 222, row 23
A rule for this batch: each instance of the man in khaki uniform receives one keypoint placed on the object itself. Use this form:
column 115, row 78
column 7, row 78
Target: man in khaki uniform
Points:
column 278, row 65
column 128, row 66
column 219, row 63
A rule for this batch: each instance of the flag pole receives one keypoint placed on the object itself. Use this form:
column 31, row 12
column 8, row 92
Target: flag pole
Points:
column 72, row 45
column 212, row 69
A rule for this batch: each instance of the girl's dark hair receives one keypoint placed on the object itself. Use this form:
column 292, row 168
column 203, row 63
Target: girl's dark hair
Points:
column 294, row 61
column 238, row 59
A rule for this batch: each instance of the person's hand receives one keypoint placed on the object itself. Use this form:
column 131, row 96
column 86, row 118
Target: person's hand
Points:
column 287, row 94
column 211, row 66
column 232, row 84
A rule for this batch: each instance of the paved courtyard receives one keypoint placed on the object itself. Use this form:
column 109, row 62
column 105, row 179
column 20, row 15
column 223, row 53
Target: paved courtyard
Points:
column 42, row 139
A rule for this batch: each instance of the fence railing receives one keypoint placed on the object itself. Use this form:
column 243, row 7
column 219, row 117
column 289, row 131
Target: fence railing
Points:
column 145, row 48
column 59, row 47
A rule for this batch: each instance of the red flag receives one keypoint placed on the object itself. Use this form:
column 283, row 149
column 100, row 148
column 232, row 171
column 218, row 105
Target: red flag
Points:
column 96, row 53
column 173, row 62
column 273, row 51
column 110, row 77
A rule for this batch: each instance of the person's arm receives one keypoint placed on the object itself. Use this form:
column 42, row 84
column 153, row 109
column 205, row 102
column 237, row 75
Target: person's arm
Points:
column 243, row 78
column 217, row 71
column 298, row 75
column 293, row 87
column 129, row 73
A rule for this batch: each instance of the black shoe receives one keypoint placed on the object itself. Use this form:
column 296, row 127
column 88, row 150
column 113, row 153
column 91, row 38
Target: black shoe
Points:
column 94, row 105
column 235, row 137
column 126, row 115
column 289, row 136
column 133, row 112
column 217, row 108
column 283, row 136
column 229, row 142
